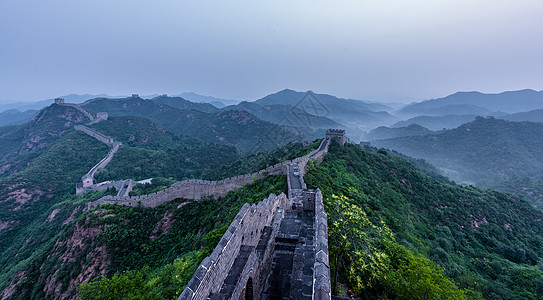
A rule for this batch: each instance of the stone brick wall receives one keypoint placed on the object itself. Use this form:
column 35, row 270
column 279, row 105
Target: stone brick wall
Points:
column 197, row 189
column 246, row 228
column 95, row 134
column 321, row 275
column 102, row 163
column 79, row 108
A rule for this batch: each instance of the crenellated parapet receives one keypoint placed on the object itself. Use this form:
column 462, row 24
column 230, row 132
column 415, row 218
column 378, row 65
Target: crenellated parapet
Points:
column 249, row 238
column 337, row 135
column 270, row 251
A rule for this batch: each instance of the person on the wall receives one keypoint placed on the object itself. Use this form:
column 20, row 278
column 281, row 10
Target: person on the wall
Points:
column 294, row 205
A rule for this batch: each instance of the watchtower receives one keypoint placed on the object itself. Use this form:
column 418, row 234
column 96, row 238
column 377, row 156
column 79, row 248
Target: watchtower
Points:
column 102, row 115
column 364, row 144
column 336, row 134
column 59, row 101
column 87, row 180
column 135, row 95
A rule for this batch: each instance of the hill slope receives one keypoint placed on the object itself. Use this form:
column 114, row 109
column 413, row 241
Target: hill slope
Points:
column 236, row 128
column 487, row 152
column 436, row 122
column 19, row 145
column 383, row 132
column 486, row 241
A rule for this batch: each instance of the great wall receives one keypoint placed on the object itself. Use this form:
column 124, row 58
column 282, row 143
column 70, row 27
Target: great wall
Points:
column 197, row 189
column 276, row 249
column 272, row 250
column 87, row 181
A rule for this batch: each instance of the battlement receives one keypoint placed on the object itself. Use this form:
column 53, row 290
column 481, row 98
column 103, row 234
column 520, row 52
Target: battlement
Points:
column 266, row 242
column 59, row 101
column 337, row 135
column 365, row 144
column 102, row 115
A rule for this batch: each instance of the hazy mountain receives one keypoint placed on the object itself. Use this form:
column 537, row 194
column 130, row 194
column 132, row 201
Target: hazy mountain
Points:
column 535, row 115
column 180, row 103
column 14, row 116
column 510, row 102
column 449, row 109
column 383, row 132
column 20, row 144
column 72, row 98
column 351, row 113
column 217, row 102
column 236, row 128
column 436, row 122
column 285, row 115
column 486, row 151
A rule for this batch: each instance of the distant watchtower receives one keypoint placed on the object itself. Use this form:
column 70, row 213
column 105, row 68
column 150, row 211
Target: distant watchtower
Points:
column 59, row 101
column 102, row 115
column 135, row 95
column 336, row 134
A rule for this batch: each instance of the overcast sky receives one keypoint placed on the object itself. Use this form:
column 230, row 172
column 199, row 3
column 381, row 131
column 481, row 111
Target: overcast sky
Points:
column 365, row 49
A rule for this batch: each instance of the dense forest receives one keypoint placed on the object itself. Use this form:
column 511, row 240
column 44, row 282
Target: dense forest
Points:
column 487, row 152
column 395, row 232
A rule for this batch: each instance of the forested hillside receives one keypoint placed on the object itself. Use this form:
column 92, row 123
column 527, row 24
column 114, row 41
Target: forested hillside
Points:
column 389, row 224
column 41, row 219
column 235, row 128
column 488, row 152
column 141, row 252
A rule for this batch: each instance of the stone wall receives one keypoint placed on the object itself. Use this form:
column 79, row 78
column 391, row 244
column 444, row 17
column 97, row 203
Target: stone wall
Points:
column 338, row 134
column 321, row 274
column 102, row 163
column 79, row 108
column 95, row 134
column 246, row 228
column 197, row 189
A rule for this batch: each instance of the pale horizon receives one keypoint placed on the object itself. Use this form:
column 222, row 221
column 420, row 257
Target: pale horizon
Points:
column 385, row 51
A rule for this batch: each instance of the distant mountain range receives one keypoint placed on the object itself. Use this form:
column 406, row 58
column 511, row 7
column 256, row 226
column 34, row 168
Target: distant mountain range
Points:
column 476, row 103
column 382, row 132
column 357, row 116
column 200, row 120
column 313, row 111
column 535, row 115
column 436, row 122
column 217, row 102
column 486, row 151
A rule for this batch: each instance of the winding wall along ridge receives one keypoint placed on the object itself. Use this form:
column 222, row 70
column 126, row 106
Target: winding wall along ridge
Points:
column 196, row 189
column 104, row 139
column 79, row 108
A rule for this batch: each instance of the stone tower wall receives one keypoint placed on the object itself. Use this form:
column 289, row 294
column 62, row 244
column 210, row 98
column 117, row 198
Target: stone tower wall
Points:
column 321, row 275
column 246, row 228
